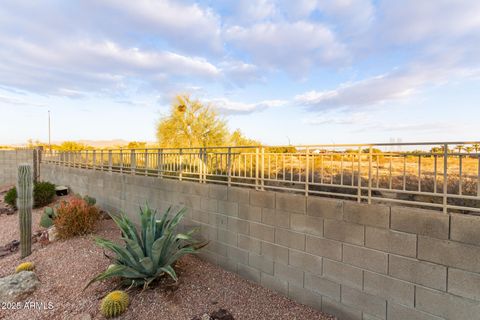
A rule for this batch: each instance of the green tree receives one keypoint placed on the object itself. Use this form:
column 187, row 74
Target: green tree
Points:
column 191, row 124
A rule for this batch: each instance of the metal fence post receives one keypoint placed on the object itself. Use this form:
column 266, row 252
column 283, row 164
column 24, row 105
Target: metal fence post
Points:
column 110, row 161
column 133, row 161
column 307, row 170
column 94, row 160
column 101, row 160
column 181, row 164
column 121, row 161
column 146, row 162
column 229, row 166
column 445, row 177
column 205, row 166
column 263, row 169
column 160, row 163
column 359, row 182
column 370, row 150
column 256, row 168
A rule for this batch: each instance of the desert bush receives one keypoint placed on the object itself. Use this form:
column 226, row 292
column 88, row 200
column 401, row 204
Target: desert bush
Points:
column 43, row 194
column 148, row 253
column 11, row 197
column 75, row 217
column 90, row 200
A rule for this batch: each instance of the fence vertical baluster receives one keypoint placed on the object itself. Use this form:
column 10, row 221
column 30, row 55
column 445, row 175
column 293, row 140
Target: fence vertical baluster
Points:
column 181, row 164
column 390, row 174
column 306, row 172
column 110, row 161
column 359, row 178
column 263, row 169
column 146, row 162
column 256, row 168
column 229, row 166
column 435, row 173
column 370, row 150
column 133, row 162
column 419, row 173
column 94, row 160
column 460, row 174
column 121, row 161
column 478, row 177
column 445, row 177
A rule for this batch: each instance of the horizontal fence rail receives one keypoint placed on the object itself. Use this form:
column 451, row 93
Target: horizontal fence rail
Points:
column 440, row 175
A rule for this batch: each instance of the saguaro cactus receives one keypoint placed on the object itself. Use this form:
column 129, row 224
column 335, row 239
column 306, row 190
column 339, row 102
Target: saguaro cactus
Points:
column 24, row 204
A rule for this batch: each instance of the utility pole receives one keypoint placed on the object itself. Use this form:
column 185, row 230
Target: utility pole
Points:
column 49, row 137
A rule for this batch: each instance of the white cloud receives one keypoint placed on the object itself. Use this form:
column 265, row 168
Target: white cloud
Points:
column 398, row 84
column 294, row 47
column 66, row 68
column 411, row 21
column 227, row 106
column 185, row 26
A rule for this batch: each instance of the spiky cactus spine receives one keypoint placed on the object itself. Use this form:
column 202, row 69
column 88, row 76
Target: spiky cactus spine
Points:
column 24, row 204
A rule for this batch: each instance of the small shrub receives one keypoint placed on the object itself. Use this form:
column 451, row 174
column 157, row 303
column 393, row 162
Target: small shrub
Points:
column 90, row 200
column 25, row 266
column 43, row 193
column 11, row 197
column 114, row 304
column 47, row 218
column 75, row 218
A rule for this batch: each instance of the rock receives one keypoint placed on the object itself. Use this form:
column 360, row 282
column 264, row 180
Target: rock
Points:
column 9, row 248
column 222, row 314
column 52, row 234
column 17, row 286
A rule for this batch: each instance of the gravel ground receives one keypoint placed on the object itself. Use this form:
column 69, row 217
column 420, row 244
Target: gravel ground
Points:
column 64, row 267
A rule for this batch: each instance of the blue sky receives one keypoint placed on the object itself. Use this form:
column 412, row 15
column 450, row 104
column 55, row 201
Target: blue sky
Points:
column 304, row 71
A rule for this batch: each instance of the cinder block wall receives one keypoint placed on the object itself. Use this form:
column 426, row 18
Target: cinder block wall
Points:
column 351, row 260
column 9, row 161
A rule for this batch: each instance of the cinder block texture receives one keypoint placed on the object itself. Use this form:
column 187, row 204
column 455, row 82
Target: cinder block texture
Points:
column 422, row 222
column 324, row 208
column 355, row 261
column 391, row 241
column 449, row 253
column 377, row 216
column 420, row 272
column 465, row 228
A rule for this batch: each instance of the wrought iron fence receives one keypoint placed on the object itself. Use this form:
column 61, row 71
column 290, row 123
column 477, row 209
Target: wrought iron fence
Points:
column 438, row 175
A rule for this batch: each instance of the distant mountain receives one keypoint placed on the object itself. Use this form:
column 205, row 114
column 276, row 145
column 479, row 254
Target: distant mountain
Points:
column 104, row 143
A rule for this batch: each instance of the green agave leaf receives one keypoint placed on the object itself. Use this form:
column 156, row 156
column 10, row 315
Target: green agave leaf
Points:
column 134, row 248
column 180, row 253
column 147, row 264
column 122, row 253
column 169, row 270
column 116, row 271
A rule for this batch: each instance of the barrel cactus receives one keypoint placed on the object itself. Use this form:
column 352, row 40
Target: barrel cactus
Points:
column 114, row 304
column 24, row 205
column 25, row 266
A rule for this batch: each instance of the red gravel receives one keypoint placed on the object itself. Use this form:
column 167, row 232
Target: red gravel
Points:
column 64, row 267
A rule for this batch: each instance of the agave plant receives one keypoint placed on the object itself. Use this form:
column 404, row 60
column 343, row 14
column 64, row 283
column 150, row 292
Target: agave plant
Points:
column 149, row 253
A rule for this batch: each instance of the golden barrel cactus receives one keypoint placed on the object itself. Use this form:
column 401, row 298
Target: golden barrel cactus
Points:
column 114, row 304
column 25, row 266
